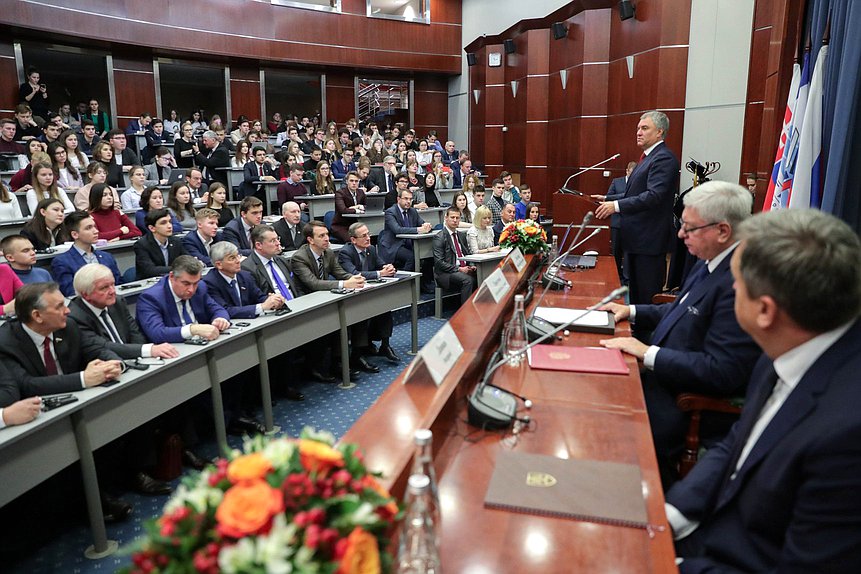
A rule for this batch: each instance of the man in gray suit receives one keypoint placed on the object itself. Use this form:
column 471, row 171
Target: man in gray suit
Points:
column 449, row 246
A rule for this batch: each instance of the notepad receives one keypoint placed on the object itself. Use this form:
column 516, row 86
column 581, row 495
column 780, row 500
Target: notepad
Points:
column 578, row 359
column 601, row 322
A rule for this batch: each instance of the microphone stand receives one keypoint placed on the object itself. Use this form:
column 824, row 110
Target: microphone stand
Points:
column 564, row 189
column 497, row 409
column 549, row 280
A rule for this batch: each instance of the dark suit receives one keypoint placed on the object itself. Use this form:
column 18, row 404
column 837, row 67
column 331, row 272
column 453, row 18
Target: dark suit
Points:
column 304, row 265
column 65, row 265
column 497, row 230
column 241, row 306
column 252, row 174
column 287, row 241
column 23, row 360
column 703, row 350
column 149, row 258
column 194, row 246
column 234, row 232
column 793, row 504
column 214, row 158
column 616, row 191
column 344, row 200
column 380, row 327
column 445, row 267
column 254, row 265
column 158, row 316
column 394, row 249
column 124, row 323
column 647, row 221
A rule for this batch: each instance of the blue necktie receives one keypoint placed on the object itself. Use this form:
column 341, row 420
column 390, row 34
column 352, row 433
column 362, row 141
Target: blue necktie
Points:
column 235, row 288
column 701, row 271
column 285, row 291
column 185, row 316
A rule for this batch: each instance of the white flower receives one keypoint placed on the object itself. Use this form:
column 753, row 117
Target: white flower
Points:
column 236, row 558
column 364, row 515
column 279, row 452
column 319, row 436
column 274, row 550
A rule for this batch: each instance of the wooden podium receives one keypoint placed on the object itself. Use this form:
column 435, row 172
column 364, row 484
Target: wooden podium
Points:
column 568, row 208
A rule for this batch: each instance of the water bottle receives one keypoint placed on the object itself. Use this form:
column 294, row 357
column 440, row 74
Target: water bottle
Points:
column 417, row 547
column 554, row 248
column 423, row 464
column 515, row 333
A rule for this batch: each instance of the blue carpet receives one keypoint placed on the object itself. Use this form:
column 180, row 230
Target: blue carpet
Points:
column 47, row 534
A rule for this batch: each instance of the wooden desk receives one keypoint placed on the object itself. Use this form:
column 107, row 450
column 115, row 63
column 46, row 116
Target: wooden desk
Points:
column 318, row 205
column 574, row 415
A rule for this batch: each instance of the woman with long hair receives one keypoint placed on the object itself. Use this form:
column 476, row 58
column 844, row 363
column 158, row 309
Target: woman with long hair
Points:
column 411, row 168
column 9, row 207
column 197, row 121
column 131, row 197
column 296, row 151
column 99, row 118
column 376, row 153
column 179, row 205
column 459, row 201
column 152, row 198
column 35, row 154
column 171, row 124
column 242, row 155
column 68, row 178
column 324, row 181
column 46, row 228
column 44, row 185
column 183, row 146
column 330, row 151
column 533, row 212
column 97, row 173
column 471, row 184
column 218, row 201
column 77, row 158
column 104, row 153
column 479, row 237
column 427, row 196
column 112, row 224
column 401, row 152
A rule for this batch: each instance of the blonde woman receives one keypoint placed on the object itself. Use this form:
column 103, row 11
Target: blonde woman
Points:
column 479, row 237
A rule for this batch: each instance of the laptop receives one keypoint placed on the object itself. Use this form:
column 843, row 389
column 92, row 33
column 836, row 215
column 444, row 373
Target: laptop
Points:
column 175, row 176
column 375, row 203
column 581, row 261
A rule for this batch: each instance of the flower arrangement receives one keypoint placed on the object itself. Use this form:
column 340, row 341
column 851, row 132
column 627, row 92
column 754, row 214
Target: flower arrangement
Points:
column 526, row 234
column 281, row 506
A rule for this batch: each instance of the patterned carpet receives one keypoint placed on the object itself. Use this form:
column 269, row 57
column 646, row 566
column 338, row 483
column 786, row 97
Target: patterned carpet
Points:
column 45, row 531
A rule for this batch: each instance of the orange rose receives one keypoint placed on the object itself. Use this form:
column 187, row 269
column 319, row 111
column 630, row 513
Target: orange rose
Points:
column 361, row 555
column 248, row 508
column 319, row 457
column 248, row 467
column 530, row 230
column 503, row 236
column 370, row 482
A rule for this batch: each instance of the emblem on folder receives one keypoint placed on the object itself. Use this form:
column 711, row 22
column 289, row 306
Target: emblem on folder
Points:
column 540, row 479
column 559, row 355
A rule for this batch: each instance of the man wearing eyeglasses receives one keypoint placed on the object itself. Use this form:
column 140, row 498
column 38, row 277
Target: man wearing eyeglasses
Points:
column 697, row 345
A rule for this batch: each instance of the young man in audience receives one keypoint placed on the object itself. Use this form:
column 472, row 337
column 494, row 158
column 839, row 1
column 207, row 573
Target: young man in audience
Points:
column 223, row 140
column 777, row 494
column 451, row 272
column 477, row 200
column 198, row 243
column 289, row 227
column 525, row 199
column 254, row 171
column 122, row 154
column 510, row 193
column 155, row 251
column 21, row 257
column 495, row 202
column 316, row 154
column 460, row 170
column 7, row 137
column 156, row 139
column 366, row 180
column 319, row 137
column 238, row 231
column 139, row 125
column 241, row 132
column 359, row 257
column 345, row 165
column 292, row 187
column 25, row 127
column 410, row 140
column 348, row 200
column 89, row 137
column 50, row 133
column 216, row 157
column 505, row 217
column 401, row 218
column 85, row 234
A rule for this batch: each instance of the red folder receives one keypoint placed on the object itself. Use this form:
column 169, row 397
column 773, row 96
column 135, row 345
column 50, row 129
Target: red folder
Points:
column 578, row 359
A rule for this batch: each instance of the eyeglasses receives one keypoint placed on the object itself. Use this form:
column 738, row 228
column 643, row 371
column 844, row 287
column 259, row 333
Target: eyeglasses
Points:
column 688, row 230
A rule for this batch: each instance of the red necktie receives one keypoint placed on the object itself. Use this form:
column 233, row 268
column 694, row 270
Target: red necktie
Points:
column 457, row 248
column 642, row 157
column 50, row 364
column 260, row 168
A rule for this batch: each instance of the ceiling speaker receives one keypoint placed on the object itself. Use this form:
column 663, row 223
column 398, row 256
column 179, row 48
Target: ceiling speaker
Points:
column 559, row 30
column 510, row 47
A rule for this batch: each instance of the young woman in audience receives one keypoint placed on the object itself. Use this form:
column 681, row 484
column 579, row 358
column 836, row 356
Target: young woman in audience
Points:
column 35, row 154
column 401, row 153
column 216, row 123
column 294, row 150
column 152, row 198
column 444, row 176
column 101, row 119
column 171, row 124
column 96, row 173
column 460, row 202
column 131, row 197
column 276, row 124
column 76, row 157
column 68, row 178
column 412, row 168
column 112, row 223
column 179, row 205
column 427, row 196
column 241, row 157
column 197, row 121
column 104, row 153
column 46, row 228
column 324, row 180
column 424, row 156
column 332, row 132
column 9, row 207
column 218, row 201
column 533, row 213
column 479, row 237
column 44, row 186
column 376, row 153
column 411, row 156
column 330, row 151
column 183, row 147
column 471, row 184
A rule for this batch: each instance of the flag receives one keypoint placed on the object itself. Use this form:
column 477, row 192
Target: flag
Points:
column 790, row 153
column 776, row 180
column 806, row 190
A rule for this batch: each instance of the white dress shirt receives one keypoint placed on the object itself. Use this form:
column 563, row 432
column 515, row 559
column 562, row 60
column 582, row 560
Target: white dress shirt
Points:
column 146, row 349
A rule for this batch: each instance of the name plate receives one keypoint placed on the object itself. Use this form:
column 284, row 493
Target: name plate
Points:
column 497, row 284
column 518, row 259
column 441, row 353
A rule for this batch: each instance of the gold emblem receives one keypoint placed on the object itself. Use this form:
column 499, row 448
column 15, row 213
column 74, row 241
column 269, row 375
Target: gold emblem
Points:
column 559, row 355
column 540, row 479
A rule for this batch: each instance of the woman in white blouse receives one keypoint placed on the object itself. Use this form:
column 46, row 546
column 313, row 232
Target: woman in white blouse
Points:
column 171, row 124
column 131, row 197
column 9, row 208
column 76, row 157
column 479, row 237
column 68, row 178
column 45, row 186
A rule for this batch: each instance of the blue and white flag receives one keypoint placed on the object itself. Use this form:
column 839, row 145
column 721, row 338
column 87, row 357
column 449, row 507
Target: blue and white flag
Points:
column 806, row 188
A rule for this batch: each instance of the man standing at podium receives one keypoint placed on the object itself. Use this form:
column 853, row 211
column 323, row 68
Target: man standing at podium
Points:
column 646, row 226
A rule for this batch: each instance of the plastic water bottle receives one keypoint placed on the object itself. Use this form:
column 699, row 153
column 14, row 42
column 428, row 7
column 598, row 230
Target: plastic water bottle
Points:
column 554, row 248
column 423, row 464
column 417, row 547
column 515, row 333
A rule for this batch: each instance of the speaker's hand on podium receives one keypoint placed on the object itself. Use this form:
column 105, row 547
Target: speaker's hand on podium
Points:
column 605, row 209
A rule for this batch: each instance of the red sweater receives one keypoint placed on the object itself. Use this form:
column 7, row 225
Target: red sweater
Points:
column 9, row 284
column 109, row 221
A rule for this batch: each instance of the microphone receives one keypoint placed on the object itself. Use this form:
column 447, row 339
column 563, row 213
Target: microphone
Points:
column 564, row 189
column 550, row 280
column 497, row 409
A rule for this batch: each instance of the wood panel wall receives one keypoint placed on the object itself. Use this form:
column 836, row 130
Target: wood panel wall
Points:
column 134, row 82
column 9, row 86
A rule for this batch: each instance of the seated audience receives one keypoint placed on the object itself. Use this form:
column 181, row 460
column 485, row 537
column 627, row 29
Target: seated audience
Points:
column 242, row 155
column 123, row 156
column 89, row 137
column 10, row 209
column 156, row 138
column 22, row 180
column 459, row 201
column 216, row 156
column 427, row 196
column 480, row 237
column 401, row 219
column 46, row 229
column 238, row 231
column 345, row 165
column 235, row 289
column 506, row 217
column 104, row 154
column 158, row 172
column 76, row 157
column 256, row 170
column 533, row 212
column 26, row 127
column 522, row 207
column 179, row 205
column 97, row 173
column 21, row 258
column 314, row 156
column 289, row 227
column 183, row 147
column 197, row 189
column 292, row 187
column 44, row 186
column 152, row 198
column 349, row 199
column 495, row 202
column 197, row 243
column 510, row 192
column 7, row 137
column 324, row 182
column 450, row 271
column 68, row 178
column 218, row 202
column 85, row 235
column 111, row 223
column 131, row 197
column 270, row 271
column 100, row 119
column 159, row 248
column 10, row 283
column 172, row 124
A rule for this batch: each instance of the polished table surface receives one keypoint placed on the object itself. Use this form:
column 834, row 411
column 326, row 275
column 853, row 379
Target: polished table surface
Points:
column 574, row 415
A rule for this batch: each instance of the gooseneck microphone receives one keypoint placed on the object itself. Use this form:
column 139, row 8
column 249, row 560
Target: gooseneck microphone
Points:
column 497, row 408
column 550, row 280
column 566, row 191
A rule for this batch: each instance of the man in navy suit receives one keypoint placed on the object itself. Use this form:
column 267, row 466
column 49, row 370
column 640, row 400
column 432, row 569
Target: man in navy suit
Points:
column 647, row 209
column 85, row 234
column 235, row 289
column 697, row 345
column 779, row 494
column 401, row 218
column 155, row 251
column 198, row 243
column 289, row 227
column 178, row 307
column 617, row 191
column 254, row 171
column 238, row 231
column 506, row 216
